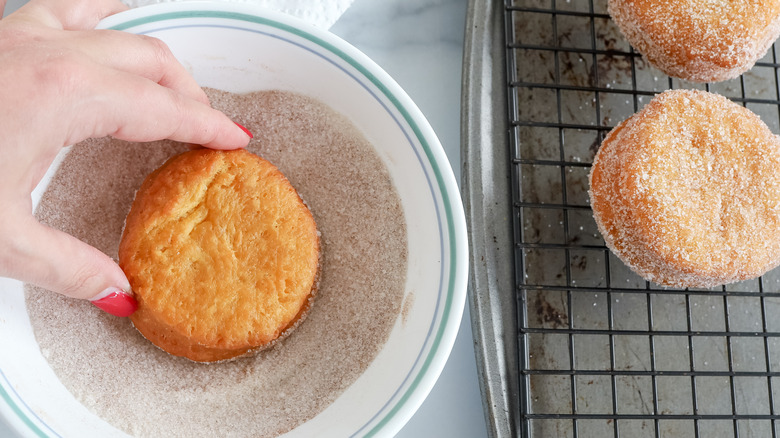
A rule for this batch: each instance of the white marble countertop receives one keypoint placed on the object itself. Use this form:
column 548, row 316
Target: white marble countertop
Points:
column 419, row 43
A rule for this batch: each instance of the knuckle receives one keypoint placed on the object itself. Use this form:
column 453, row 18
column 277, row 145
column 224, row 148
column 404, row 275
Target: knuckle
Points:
column 19, row 34
column 179, row 111
column 61, row 73
column 34, row 50
column 9, row 255
column 12, row 245
column 81, row 277
column 161, row 53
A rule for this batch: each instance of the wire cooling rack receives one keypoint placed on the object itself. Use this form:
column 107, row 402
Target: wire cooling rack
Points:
column 603, row 353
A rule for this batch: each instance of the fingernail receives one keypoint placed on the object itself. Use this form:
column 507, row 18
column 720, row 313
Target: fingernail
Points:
column 115, row 301
column 245, row 130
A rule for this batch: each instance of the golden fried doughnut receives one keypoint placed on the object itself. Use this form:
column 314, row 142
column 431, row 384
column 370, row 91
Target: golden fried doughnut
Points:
column 696, row 40
column 222, row 255
column 687, row 191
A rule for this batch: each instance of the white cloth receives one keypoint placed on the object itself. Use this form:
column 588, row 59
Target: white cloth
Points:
column 321, row 13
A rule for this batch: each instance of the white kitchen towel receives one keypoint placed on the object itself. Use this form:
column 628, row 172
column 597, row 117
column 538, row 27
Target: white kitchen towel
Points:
column 321, row 13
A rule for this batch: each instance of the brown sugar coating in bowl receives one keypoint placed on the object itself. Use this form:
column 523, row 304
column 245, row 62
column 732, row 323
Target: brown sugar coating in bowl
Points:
column 687, row 191
column 697, row 40
column 222, row 254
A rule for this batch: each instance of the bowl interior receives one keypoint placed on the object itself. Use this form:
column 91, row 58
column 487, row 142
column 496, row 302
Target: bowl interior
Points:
column 241, row 48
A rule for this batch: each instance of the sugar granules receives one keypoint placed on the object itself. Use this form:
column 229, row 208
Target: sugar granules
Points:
column 119, row 375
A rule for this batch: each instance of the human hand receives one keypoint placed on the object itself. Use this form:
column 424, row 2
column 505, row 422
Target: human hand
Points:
column 62, row 82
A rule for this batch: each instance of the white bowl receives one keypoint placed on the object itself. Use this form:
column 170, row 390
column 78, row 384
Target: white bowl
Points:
column 241, row 48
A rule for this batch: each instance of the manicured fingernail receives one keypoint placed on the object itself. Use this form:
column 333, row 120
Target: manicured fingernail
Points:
column 245, row 130
column 115, row 301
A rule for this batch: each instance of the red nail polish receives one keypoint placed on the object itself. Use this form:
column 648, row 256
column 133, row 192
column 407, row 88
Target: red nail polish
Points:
column 116, row 302
column 245, row 130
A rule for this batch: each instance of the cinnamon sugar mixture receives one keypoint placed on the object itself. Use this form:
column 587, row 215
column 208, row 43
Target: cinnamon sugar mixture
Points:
column 142, row 390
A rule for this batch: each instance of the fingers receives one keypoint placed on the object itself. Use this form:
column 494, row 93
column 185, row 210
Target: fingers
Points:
column 141, row 110
column 70, row 15
column 61, row 263
column 140, row 93
column 140, row 55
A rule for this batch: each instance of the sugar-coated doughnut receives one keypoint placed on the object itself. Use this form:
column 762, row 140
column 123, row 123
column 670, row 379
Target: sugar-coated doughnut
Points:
column 697, row 40
column 687, row 191
column 222, row 255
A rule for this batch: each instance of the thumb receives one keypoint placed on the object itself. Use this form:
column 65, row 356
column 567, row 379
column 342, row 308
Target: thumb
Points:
column 61, row 263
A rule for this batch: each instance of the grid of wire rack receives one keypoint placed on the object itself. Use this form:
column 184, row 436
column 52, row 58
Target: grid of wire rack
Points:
column 604, row 353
